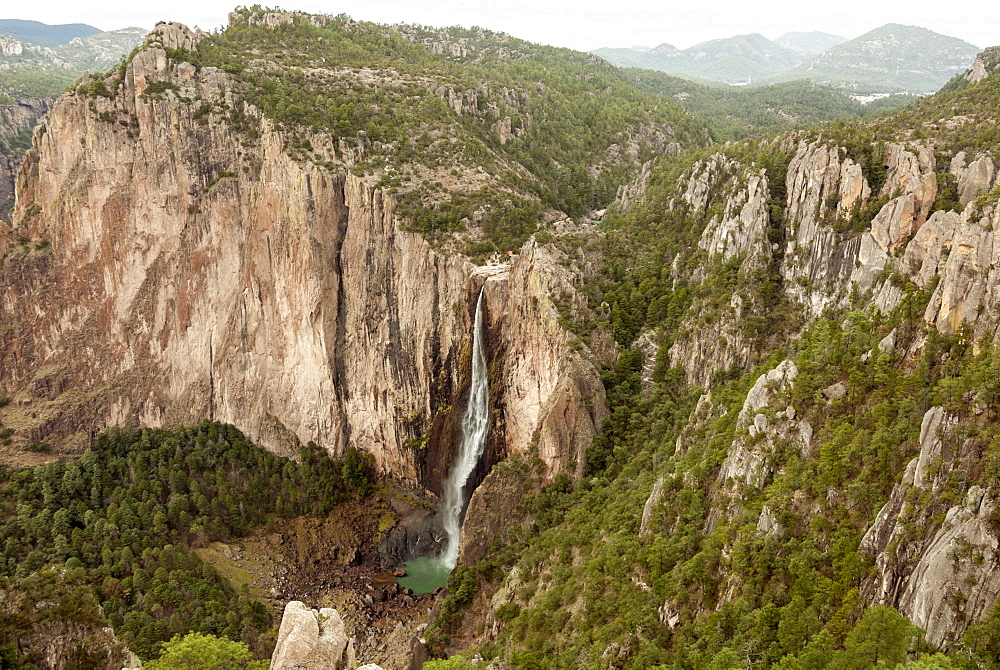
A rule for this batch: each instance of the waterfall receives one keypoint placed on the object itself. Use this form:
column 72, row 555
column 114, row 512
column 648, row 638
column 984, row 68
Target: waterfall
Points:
column 475, row 423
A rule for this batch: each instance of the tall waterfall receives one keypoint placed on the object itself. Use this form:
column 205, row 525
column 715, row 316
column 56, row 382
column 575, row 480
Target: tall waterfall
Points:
column 475, row 423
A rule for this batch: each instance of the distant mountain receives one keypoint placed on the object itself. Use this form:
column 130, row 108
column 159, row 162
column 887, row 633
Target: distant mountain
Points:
column 29, row 70
column 892, row 58
column 99, row 52
column 44, row 35
column 811, row 43
column 739, row 59
column 632, row 57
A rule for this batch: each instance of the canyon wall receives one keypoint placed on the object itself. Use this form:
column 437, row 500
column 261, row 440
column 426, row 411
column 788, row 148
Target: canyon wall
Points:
column 182, row 267
column 934, row 561
column 16, row 120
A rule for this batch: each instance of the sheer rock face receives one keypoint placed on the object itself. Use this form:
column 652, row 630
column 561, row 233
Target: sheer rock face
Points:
column 736, row 230
column 822, row 267
column 943, row 575
column 310, row 639
column 547, row 390
column 192, row 271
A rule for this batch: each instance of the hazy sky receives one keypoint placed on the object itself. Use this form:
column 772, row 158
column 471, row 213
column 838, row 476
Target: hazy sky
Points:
column 579, row 24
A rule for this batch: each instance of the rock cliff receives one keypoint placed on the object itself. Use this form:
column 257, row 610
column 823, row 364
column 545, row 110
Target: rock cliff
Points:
column 935, row 559
column 16, row 122
column 844, row 244
column 824, row 259
column 183, row 266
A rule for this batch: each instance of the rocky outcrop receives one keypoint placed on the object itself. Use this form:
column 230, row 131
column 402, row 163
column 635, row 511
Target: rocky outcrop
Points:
column 747, row 463
column 311, row 640
column 962, row 251
column 231, row 282
column 547, row 388
column 651, row 502
column 823, row 262
column 732, row 200
column 16, row 122
column 956, row 583
column 941, row 574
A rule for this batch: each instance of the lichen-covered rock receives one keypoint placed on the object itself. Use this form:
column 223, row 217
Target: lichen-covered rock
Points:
column 957, row 580
column 748, row 460
column 968, row 290
column 651, row 502
column 975, row 178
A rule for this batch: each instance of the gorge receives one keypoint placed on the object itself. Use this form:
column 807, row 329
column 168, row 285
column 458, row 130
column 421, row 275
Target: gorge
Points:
column 718, row 406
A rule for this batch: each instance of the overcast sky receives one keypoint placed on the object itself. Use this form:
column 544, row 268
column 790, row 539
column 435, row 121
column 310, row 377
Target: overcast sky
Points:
column 579, row 24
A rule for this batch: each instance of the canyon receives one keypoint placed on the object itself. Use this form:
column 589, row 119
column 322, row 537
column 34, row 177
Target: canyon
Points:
column 173, row 259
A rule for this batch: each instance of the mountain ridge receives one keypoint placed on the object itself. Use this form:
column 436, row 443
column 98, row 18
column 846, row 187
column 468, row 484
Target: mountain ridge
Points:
column 44, row 34
column 893, row 58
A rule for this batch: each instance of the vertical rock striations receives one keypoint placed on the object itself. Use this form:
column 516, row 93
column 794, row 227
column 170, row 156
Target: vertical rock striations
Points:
column 182, row 266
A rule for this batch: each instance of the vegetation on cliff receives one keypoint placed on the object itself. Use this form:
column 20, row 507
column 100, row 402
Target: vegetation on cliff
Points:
column 465, row 125
column 733, row 113
column 759, row 562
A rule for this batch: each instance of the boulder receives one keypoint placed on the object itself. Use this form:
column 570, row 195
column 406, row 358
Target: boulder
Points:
column 309, row 639
column 835, row 391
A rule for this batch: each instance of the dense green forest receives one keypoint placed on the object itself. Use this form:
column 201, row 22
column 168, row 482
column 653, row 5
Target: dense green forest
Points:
column 734, row 113
column 124, row 519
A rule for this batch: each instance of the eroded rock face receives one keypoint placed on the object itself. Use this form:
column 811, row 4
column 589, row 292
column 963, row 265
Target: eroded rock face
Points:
column 310, row 639
column 968, row 289
column 548, row 389
column 957, row 580
column 748, row 460
column 943, row 577
column 228, row 281
column 651, row 502
column 15, row 120
column 736, row 230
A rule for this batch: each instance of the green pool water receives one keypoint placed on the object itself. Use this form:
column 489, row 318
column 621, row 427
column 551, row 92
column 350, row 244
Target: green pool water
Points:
column 424, row 574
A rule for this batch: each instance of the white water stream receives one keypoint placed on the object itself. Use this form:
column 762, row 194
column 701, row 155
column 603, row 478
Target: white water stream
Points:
column 475, row 424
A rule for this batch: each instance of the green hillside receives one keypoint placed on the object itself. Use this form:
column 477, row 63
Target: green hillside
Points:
column 734, row 113
column 739, row 59
column 458, row 122
column 767, row 574
column 893, row 58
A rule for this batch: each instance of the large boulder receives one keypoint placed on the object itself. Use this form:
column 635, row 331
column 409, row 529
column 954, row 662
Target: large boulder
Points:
column 310, row 639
